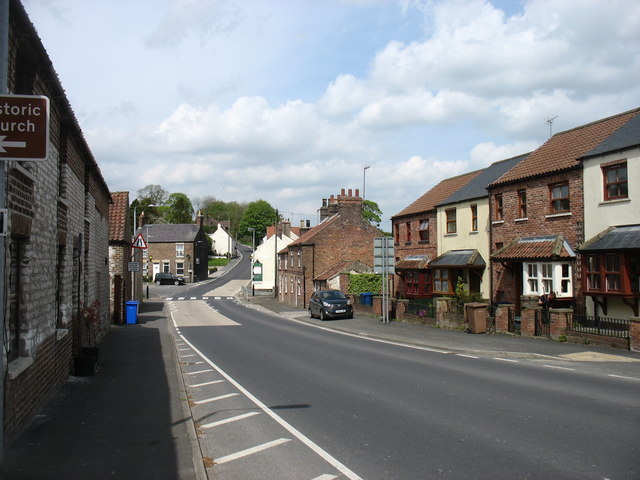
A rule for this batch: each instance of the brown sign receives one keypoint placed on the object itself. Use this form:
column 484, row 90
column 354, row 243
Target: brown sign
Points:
column 24, row 127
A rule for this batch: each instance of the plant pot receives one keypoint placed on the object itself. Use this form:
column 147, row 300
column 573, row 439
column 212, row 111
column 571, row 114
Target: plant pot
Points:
column 85, row 365
column 90, row 352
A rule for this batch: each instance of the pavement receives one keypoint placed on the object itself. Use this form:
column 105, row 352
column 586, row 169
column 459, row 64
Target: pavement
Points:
column 131, row 420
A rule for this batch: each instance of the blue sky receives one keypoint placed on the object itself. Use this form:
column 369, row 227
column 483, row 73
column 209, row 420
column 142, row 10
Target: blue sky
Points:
column 288, row 100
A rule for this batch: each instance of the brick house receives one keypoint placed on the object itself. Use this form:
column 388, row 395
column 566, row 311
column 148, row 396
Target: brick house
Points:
column 610, row 257
column 56, row 248
column 341, row 236
column 463, row 234
column 537, row 217
column 180, row 249
column 415, row 238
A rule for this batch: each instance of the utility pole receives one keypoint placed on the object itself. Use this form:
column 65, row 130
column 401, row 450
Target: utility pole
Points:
column 275, row 259
column 4, row 89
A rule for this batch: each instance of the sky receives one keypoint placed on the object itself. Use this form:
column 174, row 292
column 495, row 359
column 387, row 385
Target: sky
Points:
column 289, row 100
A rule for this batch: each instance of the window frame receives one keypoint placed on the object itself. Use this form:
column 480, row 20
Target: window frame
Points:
column 547, row 276
column 559, row 201
column 451, row 221
column 408, row 227
column 622, row 165
column 522, row 203
column 498, row 207
column 474, row 217
column 441, row 276
column 179, row 250
column 423, row 233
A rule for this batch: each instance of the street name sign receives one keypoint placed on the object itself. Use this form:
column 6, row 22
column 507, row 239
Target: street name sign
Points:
column 24, row 127
column 134, row 266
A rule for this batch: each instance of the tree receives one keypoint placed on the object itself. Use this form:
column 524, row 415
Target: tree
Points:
column 218, row 210
column 154, row 194
column 259, row 215
column 178, row 209
column 371, row 213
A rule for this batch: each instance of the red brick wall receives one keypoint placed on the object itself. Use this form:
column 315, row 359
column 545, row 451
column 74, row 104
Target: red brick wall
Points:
column 538, row 223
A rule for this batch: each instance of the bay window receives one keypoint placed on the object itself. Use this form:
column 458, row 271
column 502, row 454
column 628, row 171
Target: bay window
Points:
column 544, row 277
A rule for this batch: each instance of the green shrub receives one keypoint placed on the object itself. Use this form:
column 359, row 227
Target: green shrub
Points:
column 365, row 283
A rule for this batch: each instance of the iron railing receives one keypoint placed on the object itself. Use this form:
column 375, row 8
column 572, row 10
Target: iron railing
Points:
column 604, row 326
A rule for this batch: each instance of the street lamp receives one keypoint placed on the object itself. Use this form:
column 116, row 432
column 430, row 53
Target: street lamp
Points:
column 364, row 180
column 253, row 248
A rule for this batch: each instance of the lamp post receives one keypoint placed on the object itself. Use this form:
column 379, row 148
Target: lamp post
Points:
column 251, row 259
column 364, row 180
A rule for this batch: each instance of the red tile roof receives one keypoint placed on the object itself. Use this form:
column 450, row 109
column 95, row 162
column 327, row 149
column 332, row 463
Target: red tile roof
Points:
column 118, row 216
column 437, row 194
column 535, row 248
column 562, row 151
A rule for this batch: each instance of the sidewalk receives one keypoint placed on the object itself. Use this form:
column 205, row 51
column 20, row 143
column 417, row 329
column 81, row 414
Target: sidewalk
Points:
column 126, row 422
column 513, row 346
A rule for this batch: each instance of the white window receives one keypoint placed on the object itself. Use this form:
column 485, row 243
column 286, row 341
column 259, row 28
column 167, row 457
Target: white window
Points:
column 299, row 291
column 179, row 250
column 180, row 268
column 545, row 277
column 299, row 256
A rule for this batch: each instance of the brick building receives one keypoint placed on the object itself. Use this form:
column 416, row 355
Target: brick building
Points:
column 415, row 238
column 537, row 217
column 56, row 249
column 341, row 236
column 180, row 249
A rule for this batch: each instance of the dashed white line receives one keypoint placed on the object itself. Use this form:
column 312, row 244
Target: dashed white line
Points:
column 505, row 359
column 215, row 399
column 325, row 477
column 559, row 368
column 251, row 451
column 465, row 355
column 190, row 355
column 623, row 377
column 194, row 298
column 229, row 420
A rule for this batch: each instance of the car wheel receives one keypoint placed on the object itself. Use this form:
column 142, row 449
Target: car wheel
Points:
column 158, row 282
column 310, row 313
column 322, row 315
column 177, row 282
column 350, row 315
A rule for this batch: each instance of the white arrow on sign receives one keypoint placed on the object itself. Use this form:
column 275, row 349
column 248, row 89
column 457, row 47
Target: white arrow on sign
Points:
column 7, row 144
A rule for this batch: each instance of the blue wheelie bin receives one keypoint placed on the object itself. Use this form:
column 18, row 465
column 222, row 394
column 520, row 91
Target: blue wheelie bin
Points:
column 132, row 312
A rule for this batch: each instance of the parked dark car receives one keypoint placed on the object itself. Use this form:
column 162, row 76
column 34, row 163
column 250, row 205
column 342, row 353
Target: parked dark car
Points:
column 168, row 279
column 330, row 304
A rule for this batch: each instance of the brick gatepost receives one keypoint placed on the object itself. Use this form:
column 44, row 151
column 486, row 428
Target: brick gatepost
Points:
column 528, row 322
column 634, row 334
column 502, row 317
column 558, row 320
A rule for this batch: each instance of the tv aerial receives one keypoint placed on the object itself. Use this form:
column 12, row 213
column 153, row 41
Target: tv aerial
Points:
column 549, row 121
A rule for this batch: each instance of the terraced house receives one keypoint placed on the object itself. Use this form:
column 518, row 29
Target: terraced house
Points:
column 57, row 259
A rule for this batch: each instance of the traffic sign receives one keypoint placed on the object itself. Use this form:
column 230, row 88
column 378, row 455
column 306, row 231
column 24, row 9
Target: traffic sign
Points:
column 24, row 127
column 139, row 242
column 134, row 266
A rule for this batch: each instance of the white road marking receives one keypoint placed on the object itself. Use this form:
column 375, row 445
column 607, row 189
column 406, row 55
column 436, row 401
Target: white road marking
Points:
column 622, row 376
column 180, row 298
column 505, row 359
column 229, row 420
column 296, row 433
column 251, row 451
column 325, row 477
column 199, row 371
column 190, row 355
column 194, row 298
column 559, row 368
column 465, row 355
column 205, row 384
column 215, row 399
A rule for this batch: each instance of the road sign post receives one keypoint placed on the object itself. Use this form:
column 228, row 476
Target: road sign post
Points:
column 384, row 264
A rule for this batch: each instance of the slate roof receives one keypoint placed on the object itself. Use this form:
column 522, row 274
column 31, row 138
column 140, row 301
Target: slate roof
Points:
column 118, row 216
column 459, row 258
column 342, row 266
column 309, row 235
column 562, row 151
column 412, row 262
column 626, row 136
column 625, row 237
column 169, row 232
column 477, row 187
column 532, row 248
column 437, row 194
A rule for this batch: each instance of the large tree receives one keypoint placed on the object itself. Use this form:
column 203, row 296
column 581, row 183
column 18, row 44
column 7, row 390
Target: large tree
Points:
column 221, row 211
column 259, row 215
column 371, row 213
column 178, row 209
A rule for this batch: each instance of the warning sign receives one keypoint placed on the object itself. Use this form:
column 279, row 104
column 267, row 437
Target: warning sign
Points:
column 139, row 242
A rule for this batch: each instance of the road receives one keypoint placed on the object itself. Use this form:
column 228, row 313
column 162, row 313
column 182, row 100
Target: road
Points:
column 277, row 399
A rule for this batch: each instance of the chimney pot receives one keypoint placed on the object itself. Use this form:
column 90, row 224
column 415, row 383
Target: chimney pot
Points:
column 342, row 192
column 357, row 192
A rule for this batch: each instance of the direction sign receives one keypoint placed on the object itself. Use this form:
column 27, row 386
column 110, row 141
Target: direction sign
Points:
column 24, row 127
column 139, row 242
